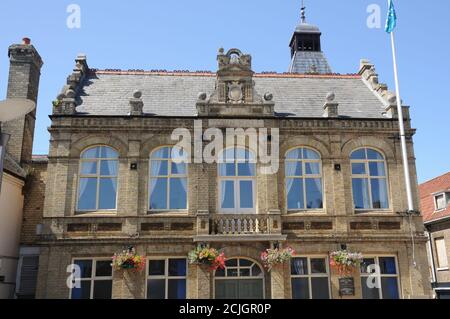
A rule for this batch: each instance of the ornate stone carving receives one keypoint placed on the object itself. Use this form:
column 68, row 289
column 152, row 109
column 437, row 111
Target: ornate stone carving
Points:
column 136, row 104
column 235, row 93
column 313, row 69
column 368, row 73
column 330, row 96
column 268, row 96
column 65, row 102
column 330, row 106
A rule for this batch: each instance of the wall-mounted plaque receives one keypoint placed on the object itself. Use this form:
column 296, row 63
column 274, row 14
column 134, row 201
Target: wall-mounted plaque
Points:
column 347, row 286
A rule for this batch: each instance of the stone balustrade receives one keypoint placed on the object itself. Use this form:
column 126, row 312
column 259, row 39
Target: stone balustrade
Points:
column 240, row 224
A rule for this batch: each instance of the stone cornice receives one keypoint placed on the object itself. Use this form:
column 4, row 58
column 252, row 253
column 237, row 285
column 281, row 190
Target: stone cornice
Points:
column 190, row 239
column 102, row 123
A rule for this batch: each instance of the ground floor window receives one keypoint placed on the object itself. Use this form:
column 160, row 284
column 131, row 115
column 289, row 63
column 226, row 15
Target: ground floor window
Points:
column 166, row 278
column 310, row 278
column 386, row 279
column 443, row 294
column 28, row 272
column 92, row 279
column 241, row 279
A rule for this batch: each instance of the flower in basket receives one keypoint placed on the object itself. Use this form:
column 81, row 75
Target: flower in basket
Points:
column 128, row 260
column 345, row 262
column 276, row 256
column 208, row 256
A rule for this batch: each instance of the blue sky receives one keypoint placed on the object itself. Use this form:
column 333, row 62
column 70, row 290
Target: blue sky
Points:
column 175, row 34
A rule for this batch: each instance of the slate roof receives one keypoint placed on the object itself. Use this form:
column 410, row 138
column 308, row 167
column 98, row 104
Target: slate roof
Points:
column 175, row 93
column 427, row 191
column 307, row 28
column 302, row 62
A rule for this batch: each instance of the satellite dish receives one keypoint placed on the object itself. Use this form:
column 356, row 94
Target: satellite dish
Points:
column 12, row 109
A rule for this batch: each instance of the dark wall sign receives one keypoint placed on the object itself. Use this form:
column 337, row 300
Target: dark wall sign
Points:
column 347, row 286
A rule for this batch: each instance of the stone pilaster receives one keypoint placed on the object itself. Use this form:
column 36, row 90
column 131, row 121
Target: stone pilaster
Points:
column 204, row 282
column 128, row 285
column 277, row 281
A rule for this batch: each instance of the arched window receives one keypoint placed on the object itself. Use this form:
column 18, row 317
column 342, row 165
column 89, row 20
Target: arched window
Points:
column 168, row 179
column 97, row 188
column 241, row 279
column 303, row 179
column 237, row 181
column 369, row 179
column 240, row 268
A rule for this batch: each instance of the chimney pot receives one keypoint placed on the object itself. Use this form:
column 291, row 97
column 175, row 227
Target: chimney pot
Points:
column 26, row 41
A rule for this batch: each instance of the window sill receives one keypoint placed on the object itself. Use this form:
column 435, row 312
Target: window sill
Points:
column 106, row 213
column 372, row 212
column 306, row 213
column 443, row 269
column 162, row 213
column 238, row 213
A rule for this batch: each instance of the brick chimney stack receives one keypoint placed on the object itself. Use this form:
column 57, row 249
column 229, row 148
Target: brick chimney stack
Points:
column 24, row 74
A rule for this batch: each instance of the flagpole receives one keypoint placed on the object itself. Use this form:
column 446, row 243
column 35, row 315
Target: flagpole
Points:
column 402, row 129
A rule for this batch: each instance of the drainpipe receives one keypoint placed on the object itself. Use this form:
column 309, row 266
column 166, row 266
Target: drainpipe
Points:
column 430, row 247
column 3, row 142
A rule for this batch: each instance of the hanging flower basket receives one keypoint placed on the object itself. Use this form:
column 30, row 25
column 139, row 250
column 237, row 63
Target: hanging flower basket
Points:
column 276, row 256
column 128, row 260
column 207, row 256
column 345, row 262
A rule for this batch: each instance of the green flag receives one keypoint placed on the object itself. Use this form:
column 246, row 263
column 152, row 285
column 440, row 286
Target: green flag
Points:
column 391, row 21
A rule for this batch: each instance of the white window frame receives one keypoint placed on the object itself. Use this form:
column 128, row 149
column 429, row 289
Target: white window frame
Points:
column 369, row 178
column 377, row 262
column 166, row 276
column 304, row 177
column 439, row 257
column 310, row 275
column 93, row 277
column 168, row 177
column 98, row 177
column 236, row 179
column 238, row 268
column 444, row 195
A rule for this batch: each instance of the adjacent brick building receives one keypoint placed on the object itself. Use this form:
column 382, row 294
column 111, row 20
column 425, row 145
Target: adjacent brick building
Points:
column 23, row 83
column 110, row 182
column 434, row 204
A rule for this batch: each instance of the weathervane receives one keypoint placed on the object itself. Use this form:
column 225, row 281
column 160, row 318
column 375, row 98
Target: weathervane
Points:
column 303, row 11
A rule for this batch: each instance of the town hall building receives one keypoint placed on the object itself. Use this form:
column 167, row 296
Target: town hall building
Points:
column 110, row 183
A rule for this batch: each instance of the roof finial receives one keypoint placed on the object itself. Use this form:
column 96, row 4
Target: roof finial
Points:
column 303, row 11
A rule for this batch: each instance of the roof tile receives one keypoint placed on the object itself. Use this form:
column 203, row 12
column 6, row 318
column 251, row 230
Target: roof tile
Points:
column 427, row 191
column 171, row 93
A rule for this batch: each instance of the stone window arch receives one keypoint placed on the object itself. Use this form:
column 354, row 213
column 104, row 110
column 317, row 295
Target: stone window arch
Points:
column 81, row 144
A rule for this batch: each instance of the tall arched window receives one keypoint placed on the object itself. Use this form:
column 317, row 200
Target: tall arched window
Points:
column 168, row 179
column 237, row 181
column 369, row 179
column 97, row 188
column 303, row 179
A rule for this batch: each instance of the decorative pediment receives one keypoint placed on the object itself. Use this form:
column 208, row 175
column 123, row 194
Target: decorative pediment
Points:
column 235, row 93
